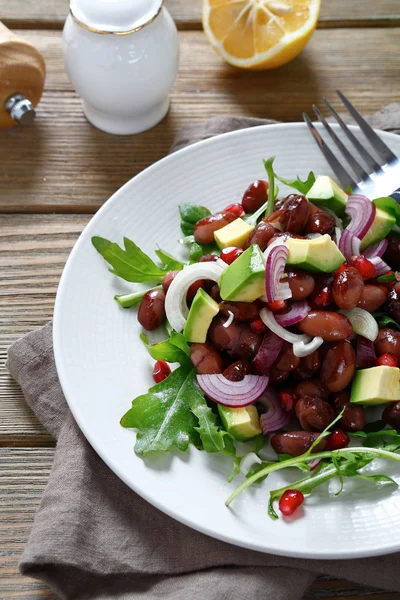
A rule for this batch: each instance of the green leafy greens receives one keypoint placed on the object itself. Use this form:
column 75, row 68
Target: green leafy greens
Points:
column 130, row 300
column 129, row 263
column 190, row 214
column 175, row 349
column 301, row 186
column 384, row 320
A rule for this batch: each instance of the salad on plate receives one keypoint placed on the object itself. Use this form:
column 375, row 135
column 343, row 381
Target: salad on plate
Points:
column 282, row 341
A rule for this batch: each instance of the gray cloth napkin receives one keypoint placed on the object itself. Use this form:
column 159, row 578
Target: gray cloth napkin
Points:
column 94, row 538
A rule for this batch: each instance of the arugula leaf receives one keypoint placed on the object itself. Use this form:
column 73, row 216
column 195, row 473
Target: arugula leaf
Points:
column 268, row 164
column 389, row 205
column 165, row 350
column 163, row 417
column 187, row 241
column 388, row 278
column 168, row 328
column 257, row 468
column 169, row 261
column 178, row 340
column 211, row 435
column 198, row 250
column 130, row 263
column 235, row 468
column 130, row 300
column 301, row 186
column 190, row 214
column 384, row 320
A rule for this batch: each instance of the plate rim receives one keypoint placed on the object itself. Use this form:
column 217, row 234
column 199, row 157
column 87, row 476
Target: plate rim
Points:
column 74, row 408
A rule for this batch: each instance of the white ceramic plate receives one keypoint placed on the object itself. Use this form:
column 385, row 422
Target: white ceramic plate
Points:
column 102, row 364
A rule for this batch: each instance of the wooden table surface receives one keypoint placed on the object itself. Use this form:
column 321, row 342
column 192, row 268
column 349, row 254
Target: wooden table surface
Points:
column 57, row 173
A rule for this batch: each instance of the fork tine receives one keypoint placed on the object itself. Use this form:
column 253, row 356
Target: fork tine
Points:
column 371, row 162
column 384, row 152
column 358, row 170
column 344, row 178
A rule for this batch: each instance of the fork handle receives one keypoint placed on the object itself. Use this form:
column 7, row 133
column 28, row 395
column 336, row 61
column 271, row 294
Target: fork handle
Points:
column 396, row 195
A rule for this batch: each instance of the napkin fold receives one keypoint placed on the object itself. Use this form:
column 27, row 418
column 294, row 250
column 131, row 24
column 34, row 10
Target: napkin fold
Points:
column 94, row 538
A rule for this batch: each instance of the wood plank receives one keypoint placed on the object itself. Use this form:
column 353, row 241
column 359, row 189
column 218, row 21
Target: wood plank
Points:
column 33, row 251
column 62, row 164
column 23, row 476
column 187, row 13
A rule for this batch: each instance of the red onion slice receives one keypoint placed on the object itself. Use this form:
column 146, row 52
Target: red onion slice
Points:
column 349, row 244
column 276, row 417
column 377, row 250
column 267, row 353
column 298, row 312
column 380, row 266
column 313, row 464
column 365, row 355
column 275, row 262
column 234, row 394
column 362, row 212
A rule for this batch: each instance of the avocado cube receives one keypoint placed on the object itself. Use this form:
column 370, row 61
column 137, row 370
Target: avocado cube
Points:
column 318, row 254
column 325, row 192
column 381, row 226
column 242, row 423
column 377, row 385
column 201, row 313
column 233, row 234
column 244, row 279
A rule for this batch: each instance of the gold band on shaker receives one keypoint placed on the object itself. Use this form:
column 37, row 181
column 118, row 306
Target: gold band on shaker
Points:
column 94, row 30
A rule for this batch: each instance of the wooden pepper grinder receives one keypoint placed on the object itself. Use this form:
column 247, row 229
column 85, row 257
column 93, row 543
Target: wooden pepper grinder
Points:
column 22, row 75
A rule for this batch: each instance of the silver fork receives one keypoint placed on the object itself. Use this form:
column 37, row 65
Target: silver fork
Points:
column 375, row 176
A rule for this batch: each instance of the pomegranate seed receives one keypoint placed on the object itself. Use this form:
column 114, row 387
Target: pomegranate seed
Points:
column 290, row 500
column 236, row 209
column 337, row 439
column 288, row 401
column 363, row 266
column 277, row 305
column 387, row 360
column 324, row 298
column 161, row 370
column 342, row 268
column 230, row 254
column 257, row 326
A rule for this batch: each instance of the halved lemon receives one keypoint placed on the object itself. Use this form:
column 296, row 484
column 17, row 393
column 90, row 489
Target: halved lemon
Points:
column 259, row 34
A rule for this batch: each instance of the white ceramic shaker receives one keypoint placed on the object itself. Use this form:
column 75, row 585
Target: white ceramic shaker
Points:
column 122, row 57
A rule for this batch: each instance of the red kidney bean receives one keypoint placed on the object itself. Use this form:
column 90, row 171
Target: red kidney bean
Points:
column 206, row 359
column 277, row 219
column 255, row 196
column 373, row 297
column 301, row 283
column 286, row 360
column 168, row 279
column 308, row 366
column 208, row 258
column 261, row 235
column 354, row 416
column 339, row 366
column 391, row 415
column 331, row 326
column 204, row 229
column 296, row 443
column 392, row 254
column 314, row 413
column 192, row 291
column 276, row 377
column 297, row 210
column 242, row 311
column 247, row 345
column 214, row 293
column 237, row 371
column 224, row 338
column 348, row 288
column 311, row 387
column 394, row 310
column 151, row 311
column 320, row 222
column 388, row 341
